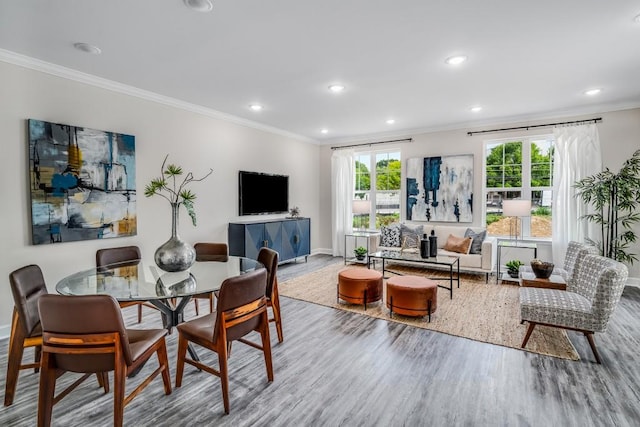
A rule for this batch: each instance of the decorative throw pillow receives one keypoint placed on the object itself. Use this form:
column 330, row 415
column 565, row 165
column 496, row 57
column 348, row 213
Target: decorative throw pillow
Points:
column 457, row 244
column 478, row 238
column 390, row 235
column 410, row 236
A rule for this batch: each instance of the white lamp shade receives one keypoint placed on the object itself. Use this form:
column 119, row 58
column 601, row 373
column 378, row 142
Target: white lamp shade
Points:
column 516, row 207
column 361, row 206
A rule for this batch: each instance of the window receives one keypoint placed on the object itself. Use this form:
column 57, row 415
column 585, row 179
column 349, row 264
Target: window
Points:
column 377, row 189
column 519, row 168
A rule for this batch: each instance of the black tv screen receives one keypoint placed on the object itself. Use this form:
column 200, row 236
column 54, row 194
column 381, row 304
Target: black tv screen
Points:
column 262, row 193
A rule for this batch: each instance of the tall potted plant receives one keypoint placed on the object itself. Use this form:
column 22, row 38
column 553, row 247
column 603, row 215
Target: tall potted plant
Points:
column 615, row 198
column 175, row 254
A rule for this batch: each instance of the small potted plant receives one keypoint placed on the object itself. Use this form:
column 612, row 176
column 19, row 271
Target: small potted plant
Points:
column 513, row 268
column 360, row 252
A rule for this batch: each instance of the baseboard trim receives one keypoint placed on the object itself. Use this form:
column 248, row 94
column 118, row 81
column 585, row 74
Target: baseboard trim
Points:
column 633, row 281
column 5, row 331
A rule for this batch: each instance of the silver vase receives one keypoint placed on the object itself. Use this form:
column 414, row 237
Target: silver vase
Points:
column 175, row 254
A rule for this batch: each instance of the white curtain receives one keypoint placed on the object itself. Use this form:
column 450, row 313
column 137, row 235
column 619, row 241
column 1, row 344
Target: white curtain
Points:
column 576, row 156
column 341, row 197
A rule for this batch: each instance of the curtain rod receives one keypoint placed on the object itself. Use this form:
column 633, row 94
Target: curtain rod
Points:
column 371, row 143
column 595, row 120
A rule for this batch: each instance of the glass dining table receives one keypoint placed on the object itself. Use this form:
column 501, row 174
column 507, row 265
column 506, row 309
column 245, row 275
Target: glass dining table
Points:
column 140, row 280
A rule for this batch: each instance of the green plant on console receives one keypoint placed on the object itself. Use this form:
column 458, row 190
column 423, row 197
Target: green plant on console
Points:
column 513, row 267
column 360, row 252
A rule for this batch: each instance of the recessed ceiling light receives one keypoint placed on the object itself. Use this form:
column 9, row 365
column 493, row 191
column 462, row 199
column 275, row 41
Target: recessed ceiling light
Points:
column 476, row 108
column 391, row 121
column 455, row 60
column 256, row 107
column 325, row 131
column 88, row 48
column 336, row 88
column 592, row 92
column 199, row 5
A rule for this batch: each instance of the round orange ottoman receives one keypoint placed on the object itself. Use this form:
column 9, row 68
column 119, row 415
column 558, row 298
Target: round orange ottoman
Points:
column 359, row 286
column 412, row 296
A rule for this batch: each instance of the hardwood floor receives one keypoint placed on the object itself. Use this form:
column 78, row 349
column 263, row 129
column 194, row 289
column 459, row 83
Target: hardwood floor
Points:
column 340, row 368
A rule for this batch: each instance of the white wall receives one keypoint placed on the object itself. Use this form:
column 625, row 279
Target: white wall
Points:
column 194, row 141
column 619, row 137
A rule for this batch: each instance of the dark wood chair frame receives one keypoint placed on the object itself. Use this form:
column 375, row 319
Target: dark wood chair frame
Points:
column 91, row 344
column 18, row 341
column 226, row 320
column 587, row 334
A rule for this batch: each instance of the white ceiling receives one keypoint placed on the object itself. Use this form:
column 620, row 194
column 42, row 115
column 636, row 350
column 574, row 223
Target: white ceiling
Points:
column 527, row 59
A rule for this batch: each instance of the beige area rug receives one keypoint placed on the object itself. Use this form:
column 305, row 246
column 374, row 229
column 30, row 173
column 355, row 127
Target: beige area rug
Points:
column 478, row 311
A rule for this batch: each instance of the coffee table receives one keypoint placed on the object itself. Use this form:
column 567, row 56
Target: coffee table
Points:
column 452, row 263
column 553, row 282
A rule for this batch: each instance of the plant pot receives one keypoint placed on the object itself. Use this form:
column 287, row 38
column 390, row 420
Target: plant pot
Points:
column 360, row 257
column 513, row 274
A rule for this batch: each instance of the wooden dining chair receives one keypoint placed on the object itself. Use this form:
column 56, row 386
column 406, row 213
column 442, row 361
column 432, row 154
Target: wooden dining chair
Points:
column 217, row 252
column 269, row 258
column 124, row 255
column 241, row 309
column 86, row 334
column 27, row 286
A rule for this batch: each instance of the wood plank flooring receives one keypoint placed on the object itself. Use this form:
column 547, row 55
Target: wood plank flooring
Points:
column 337, row 368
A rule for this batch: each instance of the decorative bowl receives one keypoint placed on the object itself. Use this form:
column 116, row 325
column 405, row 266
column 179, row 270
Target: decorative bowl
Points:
column 542, row 269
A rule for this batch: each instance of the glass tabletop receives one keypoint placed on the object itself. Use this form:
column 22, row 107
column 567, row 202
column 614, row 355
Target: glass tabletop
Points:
column 144, row 281
column 414, row 256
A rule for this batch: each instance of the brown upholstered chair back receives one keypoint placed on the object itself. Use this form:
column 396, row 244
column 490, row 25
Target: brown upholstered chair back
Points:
column 120, row 255
column 236, row 292
column 212, row 252
column 269, row 258
column 84, row 315
column 27, row 286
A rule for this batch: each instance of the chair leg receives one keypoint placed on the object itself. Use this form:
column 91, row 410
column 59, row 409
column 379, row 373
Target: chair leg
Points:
column 275, row 305
column 46, row 392
column 163, row 361
column 224, row 376
column 526, row 337
column 592, row 343
column 182, row 353
column 16, row 350
column 195, row 302
column 119, row 378
column 139, row 313
column 266, row 347
column 211, row 302
column 103, row 381
column 36, row 359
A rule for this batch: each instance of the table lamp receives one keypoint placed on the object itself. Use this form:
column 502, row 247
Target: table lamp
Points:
column 516, row 208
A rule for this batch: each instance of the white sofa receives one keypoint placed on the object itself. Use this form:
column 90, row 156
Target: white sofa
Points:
column 485, row 262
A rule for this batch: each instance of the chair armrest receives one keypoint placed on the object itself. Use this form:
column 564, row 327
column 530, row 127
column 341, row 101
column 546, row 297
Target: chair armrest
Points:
column 489, row 253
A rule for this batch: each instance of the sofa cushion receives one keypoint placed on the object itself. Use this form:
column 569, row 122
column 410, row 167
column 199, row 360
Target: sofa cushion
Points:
column 465, row 260
column 457, row 244
column 478, row 238
column 410, row 235
column 390, row 235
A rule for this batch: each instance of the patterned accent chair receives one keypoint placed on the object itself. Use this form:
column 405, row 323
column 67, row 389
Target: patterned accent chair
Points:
column 575, row 252
column 585, row 306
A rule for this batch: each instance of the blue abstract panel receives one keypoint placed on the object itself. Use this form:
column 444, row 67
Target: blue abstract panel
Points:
column 440, row 188
column 83, row 183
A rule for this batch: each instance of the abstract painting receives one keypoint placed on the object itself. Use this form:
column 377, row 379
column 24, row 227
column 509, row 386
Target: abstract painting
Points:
column 82, row 183
column 440, row 188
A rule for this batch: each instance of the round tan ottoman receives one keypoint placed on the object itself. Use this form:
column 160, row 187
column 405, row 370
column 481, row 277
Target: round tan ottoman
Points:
column 412, row 296
column 359, row 286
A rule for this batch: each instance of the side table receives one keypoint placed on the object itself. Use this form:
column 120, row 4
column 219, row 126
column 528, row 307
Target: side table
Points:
column 359, row 235
column 553, row 282
column 512, row 244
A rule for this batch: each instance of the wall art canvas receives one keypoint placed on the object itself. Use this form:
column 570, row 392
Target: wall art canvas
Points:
column 82, row 183
column 440, row 188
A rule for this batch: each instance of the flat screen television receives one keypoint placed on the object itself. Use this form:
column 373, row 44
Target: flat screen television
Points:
column 262, row 193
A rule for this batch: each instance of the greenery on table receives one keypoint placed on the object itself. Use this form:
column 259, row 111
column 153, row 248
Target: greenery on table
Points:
column 360, row 251
column 615, row 198
column 513, row 267
column 176, row 192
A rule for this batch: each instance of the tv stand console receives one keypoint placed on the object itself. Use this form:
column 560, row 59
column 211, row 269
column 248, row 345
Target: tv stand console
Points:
column 290, row 237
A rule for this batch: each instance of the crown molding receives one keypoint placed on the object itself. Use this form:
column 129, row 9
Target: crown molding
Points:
column 89, row 79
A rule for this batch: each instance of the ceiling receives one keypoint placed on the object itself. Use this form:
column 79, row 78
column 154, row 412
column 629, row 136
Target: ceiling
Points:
column 526, row 60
